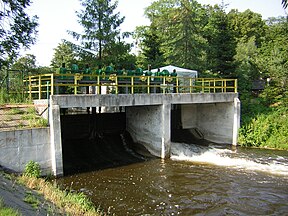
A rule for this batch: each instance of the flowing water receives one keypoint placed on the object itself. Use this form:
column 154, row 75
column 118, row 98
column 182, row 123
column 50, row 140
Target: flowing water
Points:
column 197, row 180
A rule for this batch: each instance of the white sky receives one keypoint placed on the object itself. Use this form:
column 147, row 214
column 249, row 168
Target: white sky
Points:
column 58, row 16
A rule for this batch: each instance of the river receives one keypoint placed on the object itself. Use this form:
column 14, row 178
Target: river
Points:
column 197, row 180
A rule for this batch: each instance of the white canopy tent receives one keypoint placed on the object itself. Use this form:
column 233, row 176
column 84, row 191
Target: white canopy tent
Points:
column 181, row 72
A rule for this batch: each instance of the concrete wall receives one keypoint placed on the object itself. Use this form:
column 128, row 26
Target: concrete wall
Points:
column 214, row 120
column 150, row 126
column 41, row 107
column 19, row 147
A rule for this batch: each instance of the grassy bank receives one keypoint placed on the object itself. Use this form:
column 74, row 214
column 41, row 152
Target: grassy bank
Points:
column 67, row 202
column 4, row 210
column 264, row 125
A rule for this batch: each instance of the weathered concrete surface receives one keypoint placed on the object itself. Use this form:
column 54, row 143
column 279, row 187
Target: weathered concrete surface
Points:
column 150, row 126
column 56, row 142
column 18, row 147
column 214, row 120
column 111, row 100
column 41, row 107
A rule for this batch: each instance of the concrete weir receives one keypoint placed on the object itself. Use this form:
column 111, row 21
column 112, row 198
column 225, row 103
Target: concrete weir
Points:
column 148, row 118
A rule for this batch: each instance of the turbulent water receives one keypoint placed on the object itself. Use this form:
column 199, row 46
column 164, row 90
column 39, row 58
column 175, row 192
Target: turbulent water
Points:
column 197, row 180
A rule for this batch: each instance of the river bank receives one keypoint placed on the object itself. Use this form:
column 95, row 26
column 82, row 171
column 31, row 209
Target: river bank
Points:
column 35, row 196
column 17, row 196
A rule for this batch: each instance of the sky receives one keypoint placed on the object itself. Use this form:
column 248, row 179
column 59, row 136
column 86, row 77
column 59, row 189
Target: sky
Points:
column 58, row 16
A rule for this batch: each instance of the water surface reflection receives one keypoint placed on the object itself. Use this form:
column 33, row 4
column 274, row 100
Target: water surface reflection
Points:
column 194, row 182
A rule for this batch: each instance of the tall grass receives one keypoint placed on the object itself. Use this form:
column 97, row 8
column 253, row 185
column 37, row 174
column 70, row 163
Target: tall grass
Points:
column 12, row 97
column 68, row 203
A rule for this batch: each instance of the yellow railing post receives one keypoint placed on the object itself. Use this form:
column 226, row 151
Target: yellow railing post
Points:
column 177, row 85
column 52, row 84
column 116, row 83
column 132, row 85
column 225, row 85
column 235, row 85
column 39, row 87
column 190, row 83
column 75, row 84
column 30, row 88
column 203, row 89
column 148, row 85
column 163, row 85
column 214, row 81
column 98, row 84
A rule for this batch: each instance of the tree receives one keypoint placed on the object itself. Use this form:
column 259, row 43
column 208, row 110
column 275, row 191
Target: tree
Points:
column 247, row 24
column 221, row 42
column 17, row 29
column 25, row 63
column 63, row 53
column 101, row 28
column 284, row 3
column 273, row 56
column 246, row 64
column 151, row 53
column 179, row 24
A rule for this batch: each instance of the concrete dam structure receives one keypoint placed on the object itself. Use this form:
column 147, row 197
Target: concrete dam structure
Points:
column 152, row 121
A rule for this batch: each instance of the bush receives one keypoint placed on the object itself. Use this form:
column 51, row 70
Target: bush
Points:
column 32, row 169
column 265, row 127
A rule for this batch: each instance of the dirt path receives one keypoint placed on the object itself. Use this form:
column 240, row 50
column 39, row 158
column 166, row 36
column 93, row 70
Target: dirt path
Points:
column 14, row 195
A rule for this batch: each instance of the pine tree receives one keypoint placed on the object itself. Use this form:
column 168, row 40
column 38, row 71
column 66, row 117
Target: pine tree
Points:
column 101, row 27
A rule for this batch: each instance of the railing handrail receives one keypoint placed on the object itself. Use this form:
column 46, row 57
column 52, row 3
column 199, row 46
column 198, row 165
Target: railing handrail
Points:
column 134, row 83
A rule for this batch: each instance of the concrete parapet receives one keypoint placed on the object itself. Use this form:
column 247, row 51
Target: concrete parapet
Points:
column 112, row 100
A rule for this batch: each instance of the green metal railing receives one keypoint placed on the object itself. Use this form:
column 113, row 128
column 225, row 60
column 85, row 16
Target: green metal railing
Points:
column 41, row 86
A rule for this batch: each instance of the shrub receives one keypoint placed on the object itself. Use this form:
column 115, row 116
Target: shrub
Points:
column 32, row 169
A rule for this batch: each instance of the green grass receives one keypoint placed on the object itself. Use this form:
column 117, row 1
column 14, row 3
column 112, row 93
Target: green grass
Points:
column 6, row 211
column 27, row 114
column 66, row 201
column 16, row 111
column 32, row 200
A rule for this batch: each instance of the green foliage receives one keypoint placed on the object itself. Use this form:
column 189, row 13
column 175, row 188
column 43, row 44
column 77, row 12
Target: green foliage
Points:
column 32, row 169
column 151, row 53
column 24, row 66
column 101, row 41
column 64, row 53
column 12, row 98
column 247, row 24
column 221, row 42
column 32, row 200
column 273, row 55
column 6, row 210
column 17, row 29
column 178, row 26
column 264, row 126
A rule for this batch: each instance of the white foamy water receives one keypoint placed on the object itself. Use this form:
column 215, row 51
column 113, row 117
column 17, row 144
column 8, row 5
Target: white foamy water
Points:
column 228, row 158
